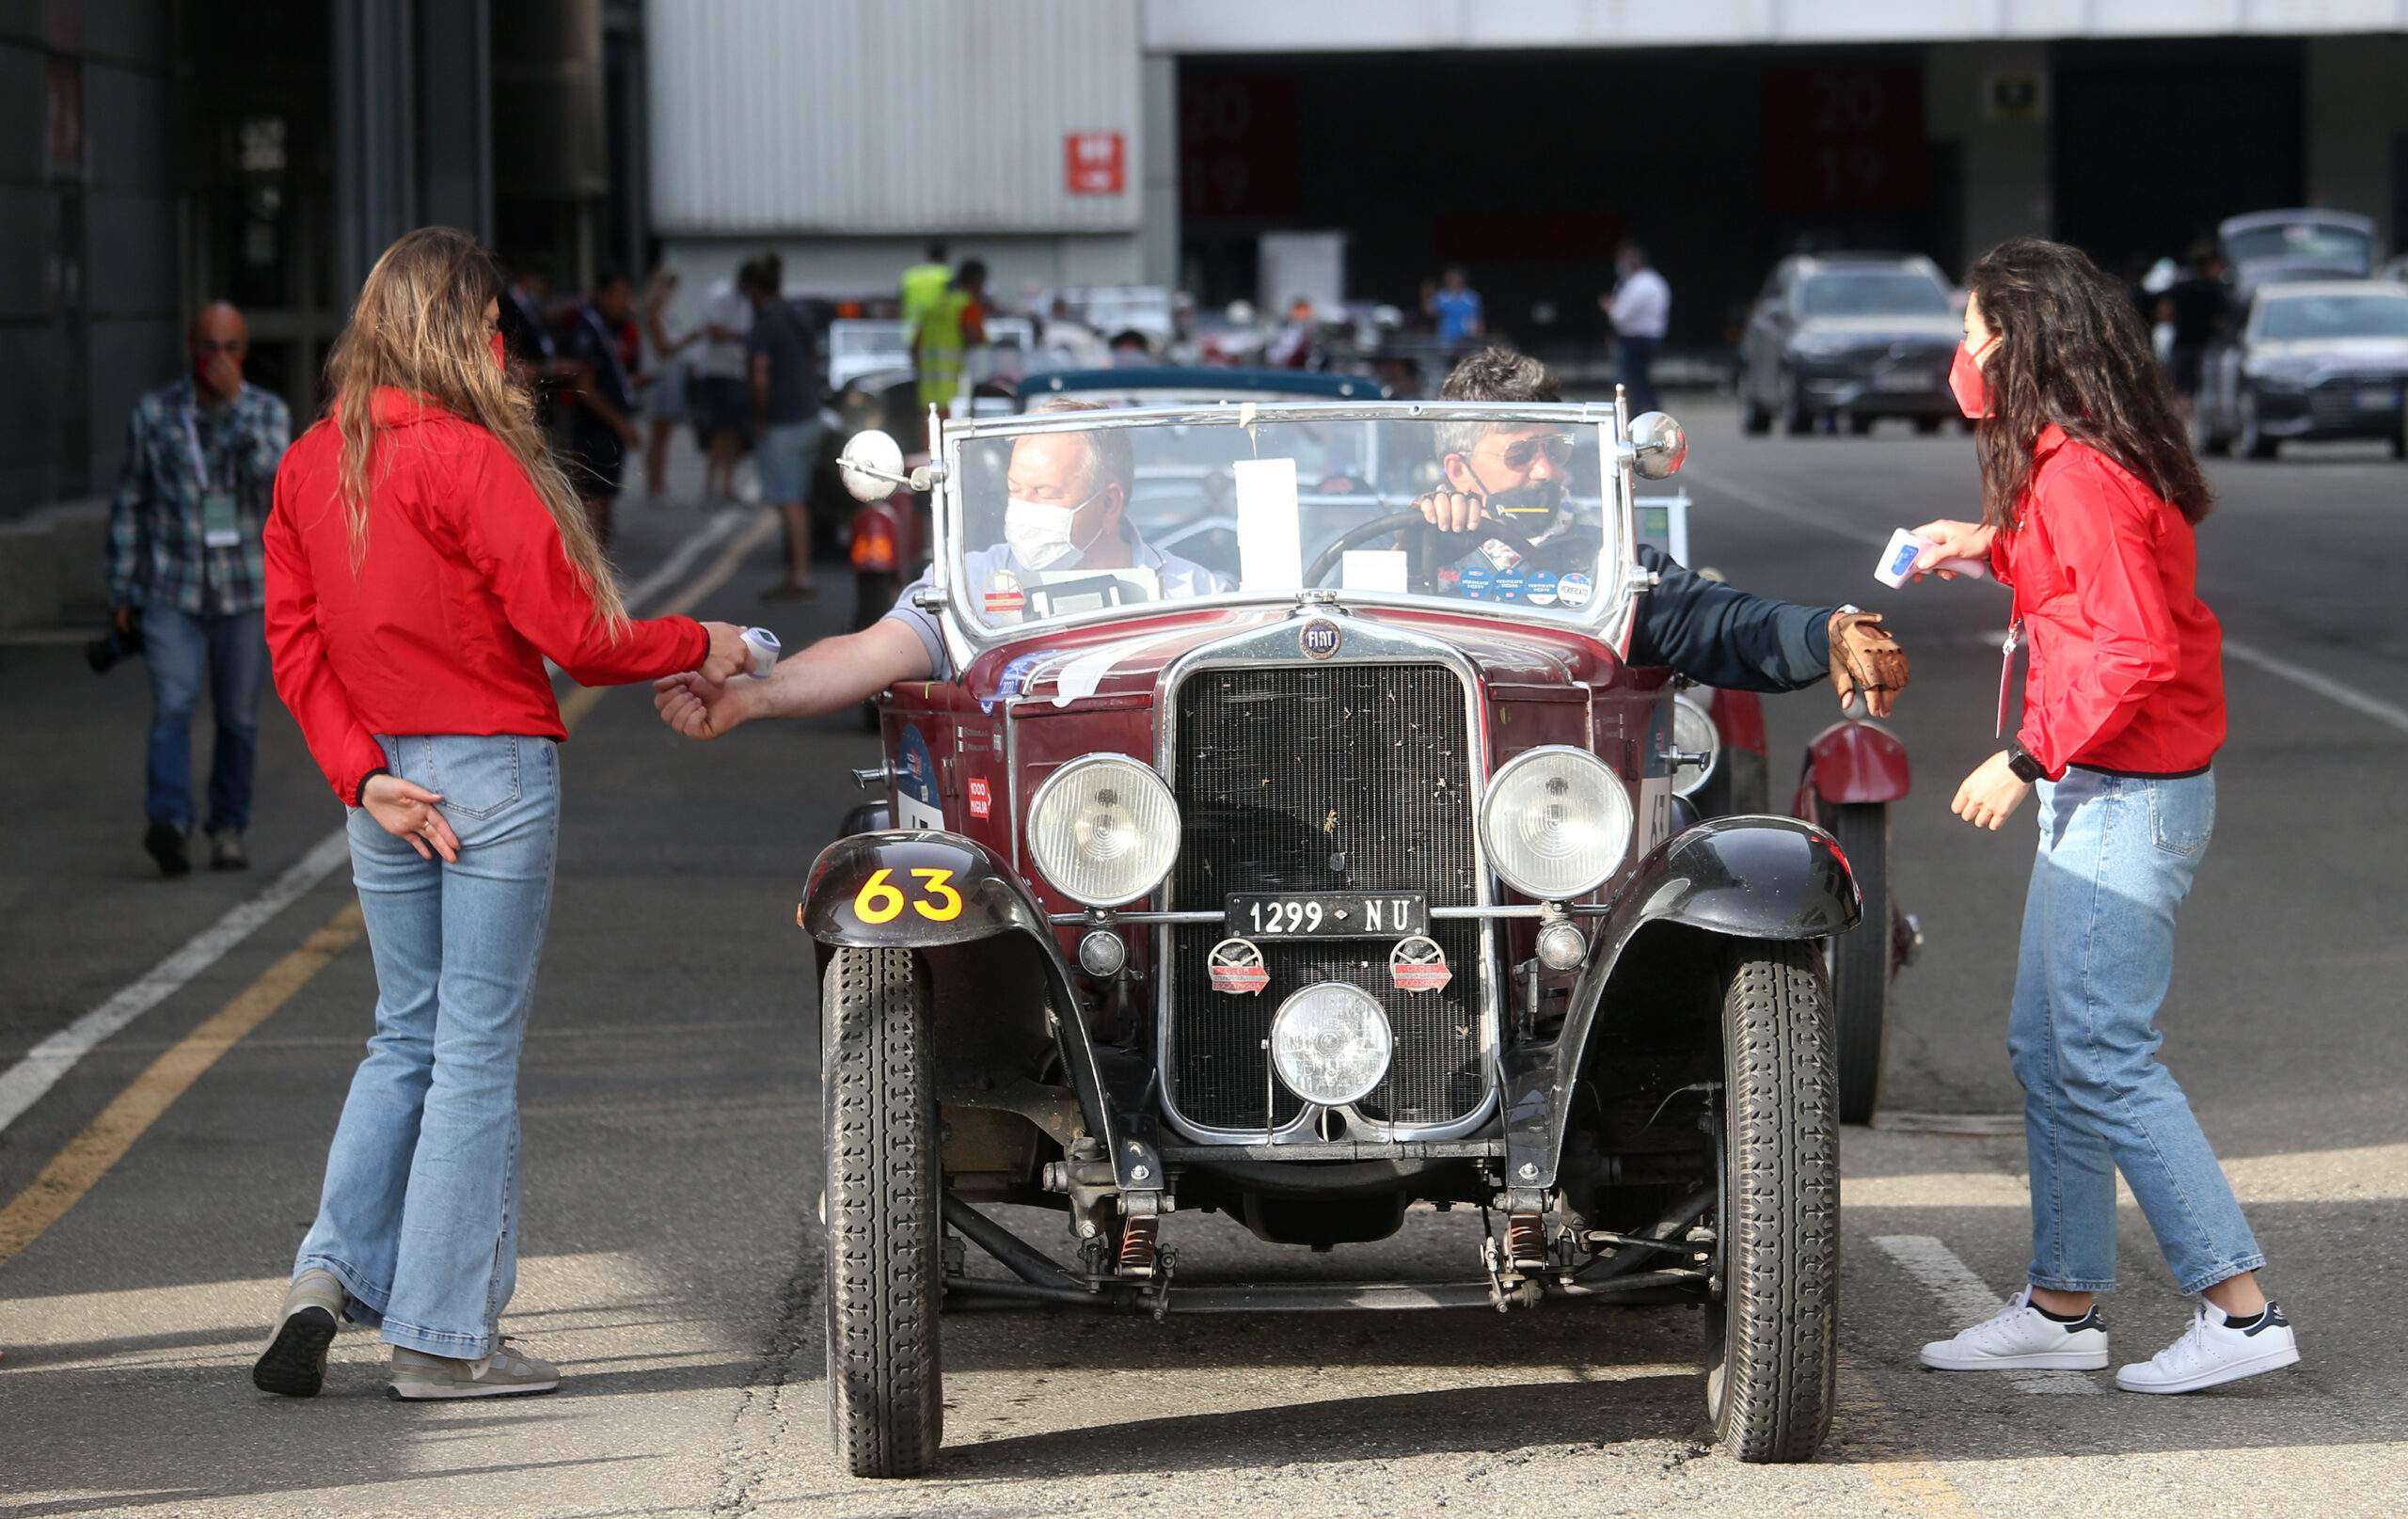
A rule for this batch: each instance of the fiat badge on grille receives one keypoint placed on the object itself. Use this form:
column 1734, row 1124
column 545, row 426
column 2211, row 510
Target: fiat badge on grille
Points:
column 1320, row 637
column 1418, row 964
column 1235, row 966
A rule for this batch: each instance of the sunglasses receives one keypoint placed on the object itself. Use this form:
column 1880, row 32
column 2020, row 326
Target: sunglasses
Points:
column 1523, row 452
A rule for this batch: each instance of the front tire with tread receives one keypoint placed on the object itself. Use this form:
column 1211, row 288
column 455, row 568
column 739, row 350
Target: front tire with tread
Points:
column 1861, row 961
column 1772, row 1343
column 885, row 1246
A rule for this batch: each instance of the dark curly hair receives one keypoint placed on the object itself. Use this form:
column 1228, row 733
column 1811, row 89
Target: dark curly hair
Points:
column 2072, row 351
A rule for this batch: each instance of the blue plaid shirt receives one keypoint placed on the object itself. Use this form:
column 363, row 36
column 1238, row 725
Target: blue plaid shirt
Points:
column 157, row 557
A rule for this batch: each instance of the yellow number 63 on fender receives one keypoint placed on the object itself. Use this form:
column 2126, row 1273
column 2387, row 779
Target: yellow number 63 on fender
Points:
column 880, row 900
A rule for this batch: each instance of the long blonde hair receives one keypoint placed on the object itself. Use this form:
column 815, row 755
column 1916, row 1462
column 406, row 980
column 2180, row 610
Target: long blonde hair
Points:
column 419, row 327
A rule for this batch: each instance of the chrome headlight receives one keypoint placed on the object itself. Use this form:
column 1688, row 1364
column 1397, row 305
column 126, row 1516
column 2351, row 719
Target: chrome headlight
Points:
column 1103, row 830
column 1556, row 822
column 1694, row 732
column 1331, row 1043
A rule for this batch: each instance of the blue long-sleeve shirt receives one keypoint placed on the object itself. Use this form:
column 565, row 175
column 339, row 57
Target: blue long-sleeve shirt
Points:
column 1720, row 635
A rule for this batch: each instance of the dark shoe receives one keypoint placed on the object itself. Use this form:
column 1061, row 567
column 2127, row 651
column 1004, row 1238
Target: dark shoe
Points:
column 294, row 1362
column 790, row 591
column 226, row 851
column 166, row 842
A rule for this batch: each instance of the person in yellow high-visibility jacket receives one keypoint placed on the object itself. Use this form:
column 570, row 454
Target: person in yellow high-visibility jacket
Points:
column 924, row 285
column 954, row 325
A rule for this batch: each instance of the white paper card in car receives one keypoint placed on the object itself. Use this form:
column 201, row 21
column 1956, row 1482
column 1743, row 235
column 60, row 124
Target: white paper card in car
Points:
column 1271, row 550
column 1373, row 569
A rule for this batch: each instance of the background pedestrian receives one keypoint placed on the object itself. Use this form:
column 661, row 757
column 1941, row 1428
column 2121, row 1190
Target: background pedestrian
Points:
column 601, row 421
column 783, row 356
column 664, row 374
column 947, row 330
column 424, row 557
column 721, row 408
column 2090, row 497
column 1457, row 308
column 184, row 562
column 1640, row 310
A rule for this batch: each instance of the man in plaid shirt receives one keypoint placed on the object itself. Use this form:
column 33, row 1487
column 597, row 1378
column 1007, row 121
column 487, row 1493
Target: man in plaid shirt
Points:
column 184, row 558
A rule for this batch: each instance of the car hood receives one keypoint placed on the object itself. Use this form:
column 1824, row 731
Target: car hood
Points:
column 1121, row 659
column 1939, row 326
column 2332, row 350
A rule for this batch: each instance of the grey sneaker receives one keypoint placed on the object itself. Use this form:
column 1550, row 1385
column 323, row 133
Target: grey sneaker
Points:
column 226, row 851
column 505, row 1373
column 295, row 1361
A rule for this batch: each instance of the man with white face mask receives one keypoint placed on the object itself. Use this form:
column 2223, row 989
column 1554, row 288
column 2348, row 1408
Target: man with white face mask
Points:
column 1066, row 504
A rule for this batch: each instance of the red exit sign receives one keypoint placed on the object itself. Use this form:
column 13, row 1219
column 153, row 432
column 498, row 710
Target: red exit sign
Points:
column 1845, row 139
column 1095, row 162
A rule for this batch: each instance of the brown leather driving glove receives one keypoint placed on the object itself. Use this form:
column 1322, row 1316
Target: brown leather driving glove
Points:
column 1867, row 661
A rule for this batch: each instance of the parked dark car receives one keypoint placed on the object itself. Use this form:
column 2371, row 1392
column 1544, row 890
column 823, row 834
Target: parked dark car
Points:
column 1849, row 337
column 2320, row 360
column 1300, row 876
column 2273, row 248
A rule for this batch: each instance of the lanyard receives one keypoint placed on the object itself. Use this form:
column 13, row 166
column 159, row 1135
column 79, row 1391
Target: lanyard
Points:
column 2006, row 671
column 200, row 458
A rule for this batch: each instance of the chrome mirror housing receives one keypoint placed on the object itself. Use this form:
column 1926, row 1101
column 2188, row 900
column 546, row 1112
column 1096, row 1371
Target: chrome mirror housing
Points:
column 871, row 466
column 1657, row 445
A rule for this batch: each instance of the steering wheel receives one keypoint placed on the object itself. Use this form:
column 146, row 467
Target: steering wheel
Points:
column 1398, row 522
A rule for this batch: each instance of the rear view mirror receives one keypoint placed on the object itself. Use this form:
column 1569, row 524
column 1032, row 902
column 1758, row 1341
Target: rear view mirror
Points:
column 871, row 466
column 1657, row 445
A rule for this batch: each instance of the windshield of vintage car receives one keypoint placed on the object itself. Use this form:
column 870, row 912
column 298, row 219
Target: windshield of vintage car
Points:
column 1075, row 523
column 2336, row 247
column 1873, row 292
column 2308, row 318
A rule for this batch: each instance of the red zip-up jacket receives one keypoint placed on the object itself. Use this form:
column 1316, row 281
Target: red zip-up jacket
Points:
column 2126, row 670
column 465, row 590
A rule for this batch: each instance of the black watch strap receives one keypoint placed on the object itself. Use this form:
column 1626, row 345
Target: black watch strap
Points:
column 2019, row 760
column 359, row 798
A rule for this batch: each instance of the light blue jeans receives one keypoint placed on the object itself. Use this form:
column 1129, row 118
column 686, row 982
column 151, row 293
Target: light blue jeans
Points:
column 2116, row 858
column 419, row 1218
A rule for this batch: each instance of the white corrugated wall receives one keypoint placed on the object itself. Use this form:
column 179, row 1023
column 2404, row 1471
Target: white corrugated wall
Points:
column 897, row 117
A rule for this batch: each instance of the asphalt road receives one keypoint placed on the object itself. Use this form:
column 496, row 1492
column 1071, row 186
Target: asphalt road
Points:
column 150, row 1198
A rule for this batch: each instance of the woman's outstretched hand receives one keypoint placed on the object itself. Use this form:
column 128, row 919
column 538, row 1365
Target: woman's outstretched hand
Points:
column 729, row 654
column 1990, row 794
column 1950, row 539
column 408, row 812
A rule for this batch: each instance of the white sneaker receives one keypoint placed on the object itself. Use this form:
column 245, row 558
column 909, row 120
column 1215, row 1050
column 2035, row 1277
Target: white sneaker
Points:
column 2210, row 1353
column 2020, row 1337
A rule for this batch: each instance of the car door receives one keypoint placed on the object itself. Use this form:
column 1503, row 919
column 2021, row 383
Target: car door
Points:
column 1760, row 344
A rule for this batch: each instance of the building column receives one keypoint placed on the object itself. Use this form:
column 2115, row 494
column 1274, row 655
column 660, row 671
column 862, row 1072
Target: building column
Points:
column 375, row 138
column 454, row 112
column 1158, row 111
column 1976, row 97
column 2358, row 130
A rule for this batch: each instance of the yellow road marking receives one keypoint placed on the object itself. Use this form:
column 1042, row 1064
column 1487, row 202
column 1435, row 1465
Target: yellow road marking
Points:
column 103, row 1142
column 1896, row 1470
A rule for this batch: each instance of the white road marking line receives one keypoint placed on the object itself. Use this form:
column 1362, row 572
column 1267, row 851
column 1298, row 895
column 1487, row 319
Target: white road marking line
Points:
column 1969, row 1299
column 24, row 1084
column 2390, row 714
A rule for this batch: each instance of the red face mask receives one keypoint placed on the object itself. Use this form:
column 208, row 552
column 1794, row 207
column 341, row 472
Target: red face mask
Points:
column 500, row 349
column 1967, row 383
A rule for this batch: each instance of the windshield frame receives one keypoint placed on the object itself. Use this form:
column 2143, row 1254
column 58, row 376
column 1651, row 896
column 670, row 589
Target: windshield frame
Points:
column 1607, row 618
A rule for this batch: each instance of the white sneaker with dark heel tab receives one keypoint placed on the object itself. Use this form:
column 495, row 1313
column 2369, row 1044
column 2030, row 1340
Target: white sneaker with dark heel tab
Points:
column 2019, row 1338
column 2212, row 1352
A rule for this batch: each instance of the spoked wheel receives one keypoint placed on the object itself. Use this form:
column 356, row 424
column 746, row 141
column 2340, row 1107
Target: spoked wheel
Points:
column 1772, row 1339
column 885, row 1251
column 1860, row 961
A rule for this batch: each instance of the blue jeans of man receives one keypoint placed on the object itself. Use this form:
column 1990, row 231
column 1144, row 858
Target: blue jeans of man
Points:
column 418, row 1217
column 228, row 653
column 2116, row 856
column 1639, row 372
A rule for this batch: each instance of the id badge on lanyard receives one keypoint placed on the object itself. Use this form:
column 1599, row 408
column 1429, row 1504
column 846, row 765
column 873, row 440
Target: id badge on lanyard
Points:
column 219, row 526
column 2006, row 671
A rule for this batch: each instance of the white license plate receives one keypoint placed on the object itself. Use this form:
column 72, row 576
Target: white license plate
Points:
column 2377, row 397
column 1902, row 380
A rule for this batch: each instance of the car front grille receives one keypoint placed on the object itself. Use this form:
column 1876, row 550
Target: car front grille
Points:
column 2335, row 402
column 1312, row 778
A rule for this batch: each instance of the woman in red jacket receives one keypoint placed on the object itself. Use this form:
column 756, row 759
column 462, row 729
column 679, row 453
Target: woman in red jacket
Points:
column 2090, row 497
column 424, row 557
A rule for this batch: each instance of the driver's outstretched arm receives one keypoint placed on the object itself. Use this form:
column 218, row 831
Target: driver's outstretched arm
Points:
column 828, row 676
column 1720, row 635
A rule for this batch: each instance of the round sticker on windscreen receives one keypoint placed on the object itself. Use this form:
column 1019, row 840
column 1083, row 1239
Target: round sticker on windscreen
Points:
column 1477, row 579
column 1543, row 589
column 1004, row 596
column 1574, row 590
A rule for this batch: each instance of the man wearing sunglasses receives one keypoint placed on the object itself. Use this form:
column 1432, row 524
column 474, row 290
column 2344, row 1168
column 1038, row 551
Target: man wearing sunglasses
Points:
column 1715, row 633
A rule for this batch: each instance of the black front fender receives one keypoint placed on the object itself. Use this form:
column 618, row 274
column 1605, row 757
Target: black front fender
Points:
column 1745, row 877
column 924, row 889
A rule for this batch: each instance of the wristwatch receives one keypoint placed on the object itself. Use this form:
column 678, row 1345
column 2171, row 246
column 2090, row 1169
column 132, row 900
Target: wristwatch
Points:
column 2019, row 760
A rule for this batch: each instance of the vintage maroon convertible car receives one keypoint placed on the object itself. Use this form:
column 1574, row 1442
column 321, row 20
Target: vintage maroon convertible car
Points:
column 1271, row 854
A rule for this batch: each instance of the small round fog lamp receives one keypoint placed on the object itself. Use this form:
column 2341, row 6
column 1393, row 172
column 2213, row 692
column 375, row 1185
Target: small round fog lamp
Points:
column 1331, row 1043
column 1102, row 952
column 1560, row 947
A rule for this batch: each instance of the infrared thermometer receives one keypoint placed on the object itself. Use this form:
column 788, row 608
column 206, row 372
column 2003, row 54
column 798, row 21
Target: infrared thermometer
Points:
column 1898, row 561
column 765, row 647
